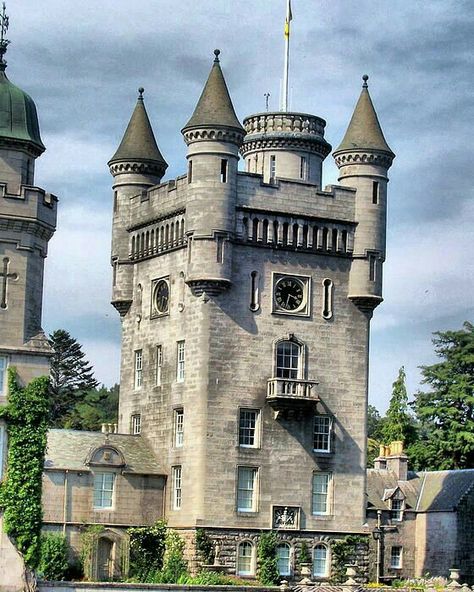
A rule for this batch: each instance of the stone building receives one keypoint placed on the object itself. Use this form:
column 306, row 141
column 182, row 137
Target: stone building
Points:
column 245, row 300
column 27, row 222
column 425, row 520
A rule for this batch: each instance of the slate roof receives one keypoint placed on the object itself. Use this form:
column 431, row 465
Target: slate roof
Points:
column 430, row 491
column 68, row 449
column 138, row 142
column 214, row 107
column 364, row 131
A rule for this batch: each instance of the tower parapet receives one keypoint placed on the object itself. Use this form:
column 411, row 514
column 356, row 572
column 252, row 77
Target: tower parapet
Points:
column 363, row 159
column 288, row 145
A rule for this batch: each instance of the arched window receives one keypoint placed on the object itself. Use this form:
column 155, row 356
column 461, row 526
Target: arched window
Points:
column 288, row 360
column 320, row 561
column 245, row 561
column 283, row 559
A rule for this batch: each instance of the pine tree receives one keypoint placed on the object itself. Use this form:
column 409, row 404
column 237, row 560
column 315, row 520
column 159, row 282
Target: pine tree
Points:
column 399, row 423
column 446, row 412
column 71, row 376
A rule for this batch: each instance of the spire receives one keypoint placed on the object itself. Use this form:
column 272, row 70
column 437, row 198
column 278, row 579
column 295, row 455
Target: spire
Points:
column 364, row 131
column 214, row 107
column 138, row 143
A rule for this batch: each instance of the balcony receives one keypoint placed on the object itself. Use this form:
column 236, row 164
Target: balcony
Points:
column 290, row 395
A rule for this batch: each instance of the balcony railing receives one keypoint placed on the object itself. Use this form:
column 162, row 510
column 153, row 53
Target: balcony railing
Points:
column 291, row 389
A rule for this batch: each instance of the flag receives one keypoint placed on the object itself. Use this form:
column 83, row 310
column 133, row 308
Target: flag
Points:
column 289, row 17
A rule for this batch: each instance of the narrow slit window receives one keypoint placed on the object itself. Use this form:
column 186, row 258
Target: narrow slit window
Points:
column 327, row 299
column 254, row 292
column 180, row 361
column 372, row 268
column 375, row 192
column 159, row 365
column 138, row 369
column 224, row 164
column 220, row 249
column 190, row 171
column 115, row 202
column 272, row 168
column 303, row 168
column 177, row 487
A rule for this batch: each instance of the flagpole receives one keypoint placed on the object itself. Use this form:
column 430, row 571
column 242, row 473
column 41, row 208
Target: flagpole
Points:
column 288, row 19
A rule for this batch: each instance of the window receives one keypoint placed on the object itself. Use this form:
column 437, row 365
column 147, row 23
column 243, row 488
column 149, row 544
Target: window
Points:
column 327, row 299
column 372, row 268
column 224, row 170
column 3, row 375
column 322, row 433
column 283, row 559
column 396, row 557
column 177, row 487
column 288, row 357
column 159, row 364
column 375, row 192
column 320, row 561
column 190, row 171
column 178, row 427
column 321, row 493
column 303, row 168
column 248, row 428
column 136, row 424
column 180, row 362
column 103, row 490
column 138, row 368
column 246, row 489
column 245, row 562
column 272, row 168
column 397, row 509
column 115, row 202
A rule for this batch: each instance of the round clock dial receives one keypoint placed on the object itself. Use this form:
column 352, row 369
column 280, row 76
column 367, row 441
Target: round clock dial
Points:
column 161, row 296
column 289, row 294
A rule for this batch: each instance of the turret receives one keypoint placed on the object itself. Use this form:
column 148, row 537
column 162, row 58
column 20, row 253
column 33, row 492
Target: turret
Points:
column 213, row 136
column 285, row 145
column 363, row 159
column 136, row 165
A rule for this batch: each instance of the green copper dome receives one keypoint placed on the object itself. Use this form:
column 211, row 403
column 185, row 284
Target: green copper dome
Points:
column 18, row 117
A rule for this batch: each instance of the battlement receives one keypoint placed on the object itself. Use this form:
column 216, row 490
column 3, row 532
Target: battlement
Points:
column 31, row 204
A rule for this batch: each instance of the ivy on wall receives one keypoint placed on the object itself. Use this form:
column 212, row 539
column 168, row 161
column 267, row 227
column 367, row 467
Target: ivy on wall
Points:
column 346, row 551
column 26, row 414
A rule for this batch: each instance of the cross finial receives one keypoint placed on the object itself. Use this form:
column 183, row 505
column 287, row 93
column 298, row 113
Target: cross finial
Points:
column 4, row 22
column 365, row 78
column 216, row 53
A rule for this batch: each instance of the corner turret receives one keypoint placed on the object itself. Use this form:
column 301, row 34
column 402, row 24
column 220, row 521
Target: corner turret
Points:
column 136, row 165
column 363, row 158
column 213, row 136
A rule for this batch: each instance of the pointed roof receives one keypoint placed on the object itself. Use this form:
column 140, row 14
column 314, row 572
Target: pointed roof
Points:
column 138, row 142
column 364, row 131
column 215, row 105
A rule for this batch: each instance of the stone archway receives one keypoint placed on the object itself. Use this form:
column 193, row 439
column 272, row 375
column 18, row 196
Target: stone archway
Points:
column 105, row 559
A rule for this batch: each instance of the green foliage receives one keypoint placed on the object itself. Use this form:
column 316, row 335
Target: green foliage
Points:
column 147, row 547
column 89, row 539
column 26, row 415
column 174, row 565
column 71, row 377
column 98, row 406
column 53, row 564
column 210, row 578
column 446, row 411
column 399, row 423
column 304, row 556
column 267, row 571
column 344, row 552
column 204, row 547
column 373, row 449
column 374, row 423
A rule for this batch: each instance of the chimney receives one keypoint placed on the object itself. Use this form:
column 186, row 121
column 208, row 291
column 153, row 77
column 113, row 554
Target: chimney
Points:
column 392, row 458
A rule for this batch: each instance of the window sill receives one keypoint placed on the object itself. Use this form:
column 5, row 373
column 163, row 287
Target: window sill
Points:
column 244, row 514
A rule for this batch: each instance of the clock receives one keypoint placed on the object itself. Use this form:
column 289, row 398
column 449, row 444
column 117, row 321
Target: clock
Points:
column 290, row 294
column 161, row 297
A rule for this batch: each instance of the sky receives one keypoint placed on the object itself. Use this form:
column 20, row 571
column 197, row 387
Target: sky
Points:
column 83, row 62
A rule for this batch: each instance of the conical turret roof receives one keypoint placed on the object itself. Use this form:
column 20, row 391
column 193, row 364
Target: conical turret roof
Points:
column 364, row 131
column 138, row 143
column 214, row 107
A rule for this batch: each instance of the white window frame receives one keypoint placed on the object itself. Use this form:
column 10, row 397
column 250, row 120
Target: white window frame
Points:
column 272, row 171
column 283, row 558
column 396, row 514
column 3, row 375
column 104, row 490
column 396, row 559
column 179, row 427
column 304, row 168
column 136, row 424
column 292, row 373
column 248, row 558
column 138, row 374
column 180, row 360
column 323, row 435
column 243, row 489
column 247, row 431
column 321, row 490
column 321, row 573
column 158, row 364
column 177, row 476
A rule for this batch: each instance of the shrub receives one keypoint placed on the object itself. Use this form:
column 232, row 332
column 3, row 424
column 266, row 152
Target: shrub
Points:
column 267, row 572
column 204, row 547
column 304, row 556
column 174, row 565
column 53, row 563
column 208, row 578
column 147, row 547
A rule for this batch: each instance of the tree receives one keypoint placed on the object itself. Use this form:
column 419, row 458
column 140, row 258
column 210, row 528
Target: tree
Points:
column 446, row 411
column 98, row 406
column 71, row 376
column 374, row 423
column 399, row 424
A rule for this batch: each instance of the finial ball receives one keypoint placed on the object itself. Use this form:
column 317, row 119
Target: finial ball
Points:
column 216, row 53
column 365, row 77
column 141, row 90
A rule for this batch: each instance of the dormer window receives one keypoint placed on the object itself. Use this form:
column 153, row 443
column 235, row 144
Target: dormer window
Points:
column 397, row 506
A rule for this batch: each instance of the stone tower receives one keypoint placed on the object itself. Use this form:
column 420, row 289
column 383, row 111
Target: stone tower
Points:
column 247, row 301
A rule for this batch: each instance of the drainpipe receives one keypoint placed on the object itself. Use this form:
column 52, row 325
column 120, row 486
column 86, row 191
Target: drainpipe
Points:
column 379, row 546
column 65, row 500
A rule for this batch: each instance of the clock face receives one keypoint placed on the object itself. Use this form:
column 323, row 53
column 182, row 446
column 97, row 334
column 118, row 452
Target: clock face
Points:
column 161, row 296
column 289, row 294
